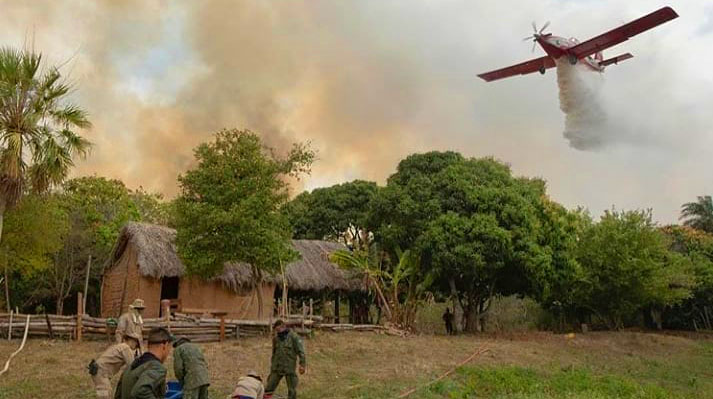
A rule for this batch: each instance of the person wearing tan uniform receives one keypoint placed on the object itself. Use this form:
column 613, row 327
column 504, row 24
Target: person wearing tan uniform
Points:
column 111, row 361
column 131, row 322
column 249, row 387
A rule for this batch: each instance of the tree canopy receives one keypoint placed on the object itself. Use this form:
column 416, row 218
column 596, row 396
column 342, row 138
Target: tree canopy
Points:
column 336, row 213
column 229, row 207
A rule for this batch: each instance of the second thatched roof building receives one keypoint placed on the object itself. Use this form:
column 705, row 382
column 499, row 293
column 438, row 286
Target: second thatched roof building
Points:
column 145, row 265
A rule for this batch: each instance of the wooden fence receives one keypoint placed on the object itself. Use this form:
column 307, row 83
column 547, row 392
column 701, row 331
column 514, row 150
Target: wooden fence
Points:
column 87, row 327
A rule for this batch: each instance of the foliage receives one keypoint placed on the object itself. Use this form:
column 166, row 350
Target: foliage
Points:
column 336, row 213
column 474, row 225
column 627, row 266
column 37, row 137
column 699, row 214
column 397, row 288
column 697, row 311
column 50, row 238
column 34, row 229
column 229, row 207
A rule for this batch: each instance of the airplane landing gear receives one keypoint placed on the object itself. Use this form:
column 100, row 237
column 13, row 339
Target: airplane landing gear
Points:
column 542, row 70
column 573, row 60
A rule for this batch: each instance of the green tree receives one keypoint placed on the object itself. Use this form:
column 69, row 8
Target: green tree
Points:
column 336, row 213
column 561, row 231
column 475, row 227
column 229, row 206
column 695, row 312
column 151, row 207
column 699, row 214
column 34, row 230
column 37, row 128
column 97, row 208
column 628, row 268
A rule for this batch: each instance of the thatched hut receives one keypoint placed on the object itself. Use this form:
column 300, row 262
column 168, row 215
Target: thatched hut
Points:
column 145, row 265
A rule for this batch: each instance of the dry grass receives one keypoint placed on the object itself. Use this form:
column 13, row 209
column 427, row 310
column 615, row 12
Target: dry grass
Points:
column 364, row 365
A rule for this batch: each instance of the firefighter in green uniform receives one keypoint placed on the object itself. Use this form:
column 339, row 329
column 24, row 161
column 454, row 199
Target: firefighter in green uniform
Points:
column 146, row 377
column 191, row 370
column 286, row 348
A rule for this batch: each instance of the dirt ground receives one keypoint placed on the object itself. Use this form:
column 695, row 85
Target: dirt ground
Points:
column 367, row 365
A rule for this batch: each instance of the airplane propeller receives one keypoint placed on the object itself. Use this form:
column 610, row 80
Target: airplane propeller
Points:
column 536, row 34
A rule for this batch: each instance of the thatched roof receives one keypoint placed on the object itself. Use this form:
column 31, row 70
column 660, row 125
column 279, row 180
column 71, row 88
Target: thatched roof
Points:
column 157, row 257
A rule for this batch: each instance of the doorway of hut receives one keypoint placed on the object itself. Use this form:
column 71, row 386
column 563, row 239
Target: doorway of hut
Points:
column 169, row 290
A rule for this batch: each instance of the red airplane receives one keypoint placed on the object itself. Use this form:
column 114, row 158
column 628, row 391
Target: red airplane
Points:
column 590, row 52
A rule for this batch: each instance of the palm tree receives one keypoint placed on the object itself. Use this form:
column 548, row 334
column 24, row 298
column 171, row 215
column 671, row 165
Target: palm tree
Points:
column 699, row 214
column 37, row 128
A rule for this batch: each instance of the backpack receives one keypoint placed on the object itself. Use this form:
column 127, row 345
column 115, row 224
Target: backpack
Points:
column 93, row 368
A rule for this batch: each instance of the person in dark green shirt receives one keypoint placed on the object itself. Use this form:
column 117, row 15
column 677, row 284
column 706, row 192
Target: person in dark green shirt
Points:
column 191, row 370
column 286, row 349
column 146, row 377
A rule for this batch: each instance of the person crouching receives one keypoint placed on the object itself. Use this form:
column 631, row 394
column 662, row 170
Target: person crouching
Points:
column 111, row 361
column 249, row 387
column 191, row 369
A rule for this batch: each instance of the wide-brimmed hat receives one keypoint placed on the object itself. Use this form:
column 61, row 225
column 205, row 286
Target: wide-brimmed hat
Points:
column 137, row 304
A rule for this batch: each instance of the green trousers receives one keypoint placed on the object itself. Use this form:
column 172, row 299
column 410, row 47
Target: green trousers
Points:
column 274, row 380
column 197, row 393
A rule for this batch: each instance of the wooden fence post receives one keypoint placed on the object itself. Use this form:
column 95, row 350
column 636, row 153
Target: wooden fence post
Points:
column 49, row 326
column 166, row 310
column 80, row 312
column 9, row 327
column 222, row 328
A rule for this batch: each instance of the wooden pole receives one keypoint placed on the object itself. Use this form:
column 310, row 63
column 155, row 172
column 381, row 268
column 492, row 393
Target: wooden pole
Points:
column 166, row 310
column 222, row 328
column 336, row 308
column 80, row 312
column 311, row 308
column 304, row 314
column 49, row 326
column 86, row 282
column 285, row 308
column 9, row 327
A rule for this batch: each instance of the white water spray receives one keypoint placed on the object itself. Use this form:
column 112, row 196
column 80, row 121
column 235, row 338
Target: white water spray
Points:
column 585, row 124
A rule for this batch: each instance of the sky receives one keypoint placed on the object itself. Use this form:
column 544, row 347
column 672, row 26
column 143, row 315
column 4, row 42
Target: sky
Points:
column 368, row 82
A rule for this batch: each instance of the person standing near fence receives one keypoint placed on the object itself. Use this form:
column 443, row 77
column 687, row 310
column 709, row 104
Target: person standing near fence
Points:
column 191, row 370
column 286, row 349
column 110, row 362
column 131, row 322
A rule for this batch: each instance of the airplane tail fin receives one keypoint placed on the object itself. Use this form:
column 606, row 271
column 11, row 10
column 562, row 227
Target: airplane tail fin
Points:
column 616, row 60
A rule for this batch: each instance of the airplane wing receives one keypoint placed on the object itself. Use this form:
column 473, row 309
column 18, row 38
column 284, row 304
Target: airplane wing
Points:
column 623, row 33
column 519, row 69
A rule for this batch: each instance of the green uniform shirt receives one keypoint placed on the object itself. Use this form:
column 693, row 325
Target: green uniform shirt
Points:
column 190, row 367
column 144, row 379
column 285, row 353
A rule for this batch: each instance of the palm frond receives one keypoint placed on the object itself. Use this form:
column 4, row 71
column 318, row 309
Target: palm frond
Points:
column 36, row 124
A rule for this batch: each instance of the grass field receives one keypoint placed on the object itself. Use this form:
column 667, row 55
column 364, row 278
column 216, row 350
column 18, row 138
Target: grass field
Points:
column 365, row 365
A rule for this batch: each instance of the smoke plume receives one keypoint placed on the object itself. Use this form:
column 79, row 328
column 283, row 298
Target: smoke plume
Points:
column 369, row 82
column 585, row 124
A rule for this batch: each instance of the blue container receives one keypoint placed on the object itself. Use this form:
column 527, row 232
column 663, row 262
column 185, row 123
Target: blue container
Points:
column 174, row 390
